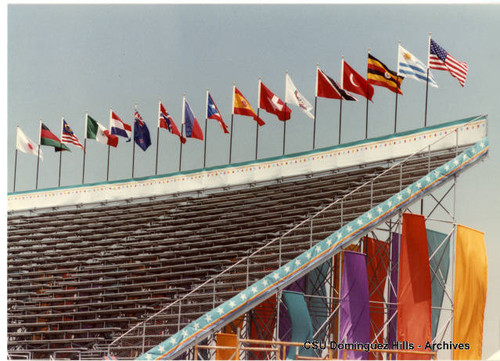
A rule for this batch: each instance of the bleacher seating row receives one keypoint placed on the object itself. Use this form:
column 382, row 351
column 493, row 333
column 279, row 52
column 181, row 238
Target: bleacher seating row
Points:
column 80, row 277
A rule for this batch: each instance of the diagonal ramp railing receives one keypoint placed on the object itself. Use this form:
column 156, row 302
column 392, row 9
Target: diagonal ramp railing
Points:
column 219, row 289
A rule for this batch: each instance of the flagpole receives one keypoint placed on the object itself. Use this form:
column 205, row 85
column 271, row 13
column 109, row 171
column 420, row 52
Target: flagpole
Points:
column 340, row 120
column 60, row 154
column 284, row 129
column 284, row 116
column 85, row 145
column 109, row 147
column 257, row 129
column 182, row 129
column 206, row 135
column 15, row 161
column 133, row 145
column 397, row 92
column 231, row 135
column 315, row 105
column 38, row 155
column 427, row 81
column 157, row 138
column 340, row 106
column 367, row 87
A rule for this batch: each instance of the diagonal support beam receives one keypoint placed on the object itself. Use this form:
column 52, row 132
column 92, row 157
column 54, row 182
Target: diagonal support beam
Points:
column 307, row 261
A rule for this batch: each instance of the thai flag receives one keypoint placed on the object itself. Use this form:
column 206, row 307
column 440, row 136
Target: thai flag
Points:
column 118, row 127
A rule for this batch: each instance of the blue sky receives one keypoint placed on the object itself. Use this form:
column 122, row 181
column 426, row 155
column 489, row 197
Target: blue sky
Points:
column 66, row 59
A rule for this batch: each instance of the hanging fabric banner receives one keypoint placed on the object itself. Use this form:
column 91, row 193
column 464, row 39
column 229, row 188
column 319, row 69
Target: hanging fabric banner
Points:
column 226, row 340
column 354, row 304
column 285, row 324
column 439, row 265
column 377, row 258
column 471, row 283
column 301, row 323
column 262, row 326
column 414, row 293
column 318, row 300
column 393, row 290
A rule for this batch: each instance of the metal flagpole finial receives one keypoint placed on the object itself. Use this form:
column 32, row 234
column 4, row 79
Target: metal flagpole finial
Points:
column 286, row 71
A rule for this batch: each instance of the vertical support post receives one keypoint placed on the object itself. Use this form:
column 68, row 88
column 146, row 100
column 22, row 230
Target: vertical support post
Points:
column 371, row 194
column 237, row 356
column 157, row 138
column 213, row 298
column 311, row 233
column 278, row 303
column 179, row 317
column 143, row 336
column 342, row 212
column 279, row 256
column 248, row 271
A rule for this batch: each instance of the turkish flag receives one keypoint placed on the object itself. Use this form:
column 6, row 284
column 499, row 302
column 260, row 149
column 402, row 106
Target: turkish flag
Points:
column 353, row 82
column 272, row 104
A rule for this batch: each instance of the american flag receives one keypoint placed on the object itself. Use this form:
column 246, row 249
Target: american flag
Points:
column 68, row 136
column 440, row 59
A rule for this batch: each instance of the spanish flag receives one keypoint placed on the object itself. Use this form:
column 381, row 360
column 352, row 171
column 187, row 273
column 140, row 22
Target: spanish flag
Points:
column 381, row 75
column 242, row 107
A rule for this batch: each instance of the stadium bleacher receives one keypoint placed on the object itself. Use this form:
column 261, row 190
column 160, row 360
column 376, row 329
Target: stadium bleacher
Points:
column 78, row 278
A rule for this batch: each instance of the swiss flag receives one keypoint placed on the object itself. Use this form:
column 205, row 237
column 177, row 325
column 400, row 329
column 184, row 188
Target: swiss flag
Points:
column 272, row 104
column 353, row 82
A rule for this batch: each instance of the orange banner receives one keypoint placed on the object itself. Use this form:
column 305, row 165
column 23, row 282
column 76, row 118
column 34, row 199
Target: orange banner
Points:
column 471, row 282
column 229, row 340
column 414, row 293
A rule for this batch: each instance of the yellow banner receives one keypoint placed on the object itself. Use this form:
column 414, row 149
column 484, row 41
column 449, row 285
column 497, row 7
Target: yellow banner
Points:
column 471, row 282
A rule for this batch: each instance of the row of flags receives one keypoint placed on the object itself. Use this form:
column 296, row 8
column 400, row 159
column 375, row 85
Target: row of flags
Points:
column 378, row 74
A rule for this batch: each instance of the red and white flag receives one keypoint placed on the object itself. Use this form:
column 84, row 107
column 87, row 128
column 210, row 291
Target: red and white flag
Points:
column 271, row 103
column 326, row 87
column 440, row 59
column 353, row 82
column 118, row 127
column 26, row 145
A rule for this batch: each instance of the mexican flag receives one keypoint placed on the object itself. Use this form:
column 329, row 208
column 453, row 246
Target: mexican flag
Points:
column 26, row 145
column 97, row 131
column 48, row 138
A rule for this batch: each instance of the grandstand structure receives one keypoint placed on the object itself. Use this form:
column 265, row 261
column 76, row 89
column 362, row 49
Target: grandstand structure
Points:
column 151, row 268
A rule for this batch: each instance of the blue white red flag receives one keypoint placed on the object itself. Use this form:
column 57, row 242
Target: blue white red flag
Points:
column 141, row 132
column 165, row 121
column 193, row 129
column 68, row 136
column 213, row 113
column 440, row 59
column 118, row 127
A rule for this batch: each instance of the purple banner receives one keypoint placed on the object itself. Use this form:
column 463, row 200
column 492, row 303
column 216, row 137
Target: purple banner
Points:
column 354, row 304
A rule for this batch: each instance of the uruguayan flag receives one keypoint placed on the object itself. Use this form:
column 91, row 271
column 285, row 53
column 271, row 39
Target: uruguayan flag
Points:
column 411, row 67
